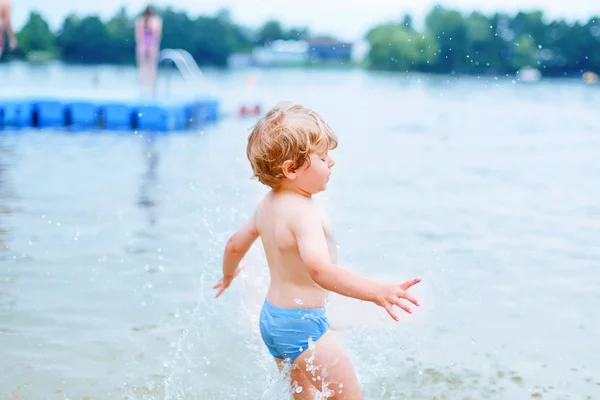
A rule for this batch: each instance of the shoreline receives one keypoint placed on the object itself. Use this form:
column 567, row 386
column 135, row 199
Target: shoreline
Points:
column 342, row 67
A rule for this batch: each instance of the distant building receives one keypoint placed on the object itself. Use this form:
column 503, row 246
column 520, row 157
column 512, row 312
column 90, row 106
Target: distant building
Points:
column 294, row 52
column 240, row 60
column 281, row 52
column 329, row 50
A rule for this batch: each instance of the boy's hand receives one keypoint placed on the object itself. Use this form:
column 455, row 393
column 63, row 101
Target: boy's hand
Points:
column 390, row 295
column 226, row 281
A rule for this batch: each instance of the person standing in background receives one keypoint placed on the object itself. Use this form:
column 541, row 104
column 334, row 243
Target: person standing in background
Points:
column 5, row 9
column 148, row 34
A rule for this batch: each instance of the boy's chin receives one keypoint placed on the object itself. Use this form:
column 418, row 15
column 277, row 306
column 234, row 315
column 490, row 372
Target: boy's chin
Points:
column 323, row 188
column 319, row 190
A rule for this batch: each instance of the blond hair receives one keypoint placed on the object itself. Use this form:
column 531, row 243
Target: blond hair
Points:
column 289, row 131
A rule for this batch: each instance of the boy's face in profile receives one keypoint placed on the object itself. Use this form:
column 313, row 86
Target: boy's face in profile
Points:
column 313, row 176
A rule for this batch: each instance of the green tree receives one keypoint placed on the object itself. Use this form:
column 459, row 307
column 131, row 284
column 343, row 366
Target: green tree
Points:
column 270, row 32
column 120, row 29
column 407, row 22
column 297, row 34
column 85, row 41
column 472, row 44
column 449, row 30
column 494, row 44
column 35, row 36
column 524, row 53
column 394, row 47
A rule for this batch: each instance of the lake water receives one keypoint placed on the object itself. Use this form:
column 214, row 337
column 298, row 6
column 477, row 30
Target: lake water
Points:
column 487, row 189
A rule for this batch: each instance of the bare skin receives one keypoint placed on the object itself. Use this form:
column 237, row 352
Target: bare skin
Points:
column 147, row 53
column 5, row 23
column 300, row 249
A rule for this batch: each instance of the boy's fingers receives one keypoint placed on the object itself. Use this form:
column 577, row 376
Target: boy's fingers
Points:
column 390, row 311
column 404, row 307
column 407, row 284
column 410, row 298
column 219, row 293
column 219, row 284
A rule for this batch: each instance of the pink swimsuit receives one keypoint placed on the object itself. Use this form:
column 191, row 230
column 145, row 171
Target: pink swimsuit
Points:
column 148, row 40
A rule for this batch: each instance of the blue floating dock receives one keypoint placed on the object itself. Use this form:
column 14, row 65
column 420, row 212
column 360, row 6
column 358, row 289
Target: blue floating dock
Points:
column 109, row 115
column 82, row 114
column 16, row 114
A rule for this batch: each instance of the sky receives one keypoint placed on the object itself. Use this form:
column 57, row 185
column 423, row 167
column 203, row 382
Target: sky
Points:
column 346, row 19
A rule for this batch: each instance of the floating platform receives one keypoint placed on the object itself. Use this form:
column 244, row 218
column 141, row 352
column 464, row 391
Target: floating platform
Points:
column 82, row 114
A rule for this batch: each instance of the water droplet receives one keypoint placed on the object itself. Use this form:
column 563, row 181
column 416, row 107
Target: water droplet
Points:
column 299, row 389
column 298, row 301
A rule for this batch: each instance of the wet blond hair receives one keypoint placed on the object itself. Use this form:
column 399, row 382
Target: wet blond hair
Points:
column 289, row 131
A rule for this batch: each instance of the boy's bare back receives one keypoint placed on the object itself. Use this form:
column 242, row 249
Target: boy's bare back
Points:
column 277, row 219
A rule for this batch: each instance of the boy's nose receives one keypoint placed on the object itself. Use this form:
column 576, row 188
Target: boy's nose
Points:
column 331, row 162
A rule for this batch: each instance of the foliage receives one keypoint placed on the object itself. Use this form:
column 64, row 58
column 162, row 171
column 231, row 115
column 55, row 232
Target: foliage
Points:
column 89, row 40
column 478, row 44
column 450, row 42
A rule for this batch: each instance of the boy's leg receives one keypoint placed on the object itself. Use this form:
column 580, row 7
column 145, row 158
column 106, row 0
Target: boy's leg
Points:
column 330, row 367
column 298, row 380
column 139, row 52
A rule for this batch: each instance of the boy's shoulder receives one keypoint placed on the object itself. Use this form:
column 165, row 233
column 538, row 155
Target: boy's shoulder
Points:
column 291, row 205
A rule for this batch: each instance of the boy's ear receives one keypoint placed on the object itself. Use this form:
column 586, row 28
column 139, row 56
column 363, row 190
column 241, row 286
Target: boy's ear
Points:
column 288, row 170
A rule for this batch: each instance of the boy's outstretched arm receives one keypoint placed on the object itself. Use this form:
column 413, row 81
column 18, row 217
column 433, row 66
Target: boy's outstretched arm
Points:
column 313, row 250
column 236, row 248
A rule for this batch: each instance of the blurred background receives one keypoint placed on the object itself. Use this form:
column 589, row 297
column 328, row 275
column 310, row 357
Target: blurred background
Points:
column 469, row 156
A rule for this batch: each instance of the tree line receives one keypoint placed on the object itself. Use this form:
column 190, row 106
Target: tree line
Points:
column 486, row 44
column 449, row 42
column 90, row 40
